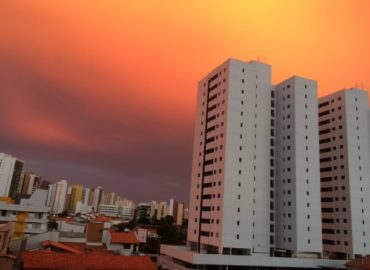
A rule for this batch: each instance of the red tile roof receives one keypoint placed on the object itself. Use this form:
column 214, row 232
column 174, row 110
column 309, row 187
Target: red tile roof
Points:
column 363, row 264
column 48, row 243
column 102, row 219
column 87, row 248
column 123, row 237
column 67, row 261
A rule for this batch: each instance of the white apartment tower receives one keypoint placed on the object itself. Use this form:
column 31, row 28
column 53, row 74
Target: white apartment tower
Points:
column 10, row 175
column 232, row 182
column 58, row 196
column 345, row 173
column 298, row 215
column 238, row 130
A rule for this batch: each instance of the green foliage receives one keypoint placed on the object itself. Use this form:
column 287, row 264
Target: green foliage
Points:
column 63, row 214
column 143, row 221
column 170, row 233
column 151, row 246
column 52, row 225
column 121, row 227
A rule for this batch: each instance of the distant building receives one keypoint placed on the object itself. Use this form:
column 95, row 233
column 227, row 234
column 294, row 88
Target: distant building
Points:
column 109, row 210
column 162, row 210
column 180, row 214
column 29, row 183
column 96, row 198
column 76, row 196
column 83, row 208
column 109, row 198
column 127, row 209
column 186, row 213
column 143, row 211
column 172, row 209
column 58, row 196
column 10, row 175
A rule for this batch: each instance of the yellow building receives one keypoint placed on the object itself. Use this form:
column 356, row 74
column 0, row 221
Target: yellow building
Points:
column 76, row 196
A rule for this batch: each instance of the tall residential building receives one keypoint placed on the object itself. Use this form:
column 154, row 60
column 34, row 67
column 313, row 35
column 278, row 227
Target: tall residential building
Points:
column 29, row 183
column 76, row 196
column 85, row 196
column 143, row 211
column 345, row 173
column 255, row 183
column 242, row 122
column 180, row 214
column 127, row 208
column 162, row 210
column 10, row 175
column 58, row 196
column 96, row 198
column 172, row 208
column 298, row 208
column 232, row 183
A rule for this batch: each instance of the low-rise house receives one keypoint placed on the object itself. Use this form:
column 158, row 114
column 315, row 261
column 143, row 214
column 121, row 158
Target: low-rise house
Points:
column 124, row 243
column 70, row 225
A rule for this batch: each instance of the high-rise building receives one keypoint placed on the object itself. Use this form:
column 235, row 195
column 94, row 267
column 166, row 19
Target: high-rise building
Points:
column 58, row 196
column 180, row 214
column 172, row 208
column 162, row 210
column 29, row 183
column 76, row 196
column 232, row 199
column 345, row 173
column 96, row 198
column 255, row 182
column 10, row 175
column 143, row 211
column 242, row 121
column 298, row 208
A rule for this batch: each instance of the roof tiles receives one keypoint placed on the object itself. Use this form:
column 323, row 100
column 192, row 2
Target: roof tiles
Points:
column 67, row 261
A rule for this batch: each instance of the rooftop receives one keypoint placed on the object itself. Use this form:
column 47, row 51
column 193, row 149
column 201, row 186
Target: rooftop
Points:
column 48, row 243
column 123, row 237
column 50, row 260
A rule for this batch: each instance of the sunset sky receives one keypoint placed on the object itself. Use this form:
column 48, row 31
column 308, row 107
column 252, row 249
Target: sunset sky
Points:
column 104, row 92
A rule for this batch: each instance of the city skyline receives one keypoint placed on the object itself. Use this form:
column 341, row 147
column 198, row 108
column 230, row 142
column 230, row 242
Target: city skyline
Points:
column 105, row 95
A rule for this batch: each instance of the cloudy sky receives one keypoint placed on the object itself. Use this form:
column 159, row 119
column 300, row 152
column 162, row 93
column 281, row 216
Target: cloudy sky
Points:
column 104, row 92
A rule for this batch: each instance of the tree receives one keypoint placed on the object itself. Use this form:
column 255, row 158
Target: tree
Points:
column 151, row 245
column 121, row 227
column 143, row 221
column 52, row 225
column 169, row 233
column 63, row 214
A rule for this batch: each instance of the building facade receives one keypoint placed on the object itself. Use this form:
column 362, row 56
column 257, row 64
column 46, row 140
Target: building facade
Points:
column 30, row 215
column 243, row 200
column 10, row 175
column 298, row 208
column 232, row 198
column 58, row 196
column 345, row 173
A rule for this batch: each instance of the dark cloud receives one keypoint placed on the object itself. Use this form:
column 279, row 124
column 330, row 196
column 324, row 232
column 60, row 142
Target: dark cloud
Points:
column 124, row 148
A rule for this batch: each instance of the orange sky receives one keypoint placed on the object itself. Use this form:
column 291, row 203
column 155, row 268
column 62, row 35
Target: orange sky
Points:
column 82, row 78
